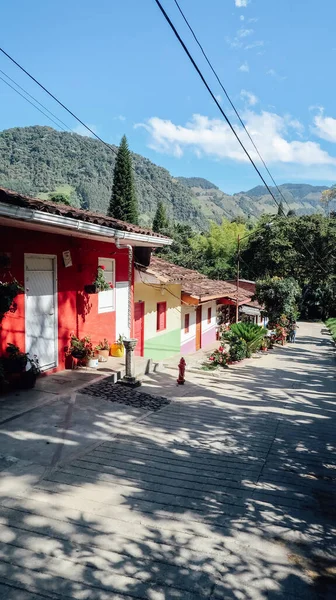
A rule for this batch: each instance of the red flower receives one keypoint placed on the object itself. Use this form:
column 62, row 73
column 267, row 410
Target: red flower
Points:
column 220, row 349
column 101, row 267
column 211, row 358
column 111, row 285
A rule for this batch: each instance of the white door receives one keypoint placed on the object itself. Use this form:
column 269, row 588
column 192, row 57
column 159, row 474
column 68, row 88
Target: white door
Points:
column 41, row 310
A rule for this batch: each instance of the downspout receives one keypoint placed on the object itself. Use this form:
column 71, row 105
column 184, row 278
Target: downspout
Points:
column 130, row 273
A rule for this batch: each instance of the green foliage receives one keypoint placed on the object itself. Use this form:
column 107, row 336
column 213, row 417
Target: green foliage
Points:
column 281, row 211
column 219, row 357
column 331, row 324
column 279, row 296
column 252, row 334
column 8, row 292
column 123, row 204
column 59, row 198
column 160, row 222
column 238, row 349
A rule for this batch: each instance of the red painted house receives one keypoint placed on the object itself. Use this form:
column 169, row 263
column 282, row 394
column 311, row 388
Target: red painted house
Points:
column 54, row 251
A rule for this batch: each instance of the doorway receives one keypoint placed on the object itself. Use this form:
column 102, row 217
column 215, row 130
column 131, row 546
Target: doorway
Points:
column 41, row 309
column 198, row 327
column 139, row 327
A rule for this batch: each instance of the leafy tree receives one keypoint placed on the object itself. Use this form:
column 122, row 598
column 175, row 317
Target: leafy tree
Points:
column 291, row 213
column 123, row 204
column 279, row 297
column 59, row 198
column 160, row 222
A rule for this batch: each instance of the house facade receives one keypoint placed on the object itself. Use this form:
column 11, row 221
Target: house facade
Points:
column 176, row 309
column 54, row 251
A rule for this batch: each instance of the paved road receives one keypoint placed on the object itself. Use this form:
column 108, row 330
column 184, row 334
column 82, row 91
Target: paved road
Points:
column 227, row 493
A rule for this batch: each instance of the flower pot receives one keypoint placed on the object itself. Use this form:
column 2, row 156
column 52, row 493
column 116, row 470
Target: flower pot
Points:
column 117, row 350
column 27, row 380
column 103, row 353
column 91, row 289
column 92, row 363
column 79, row 354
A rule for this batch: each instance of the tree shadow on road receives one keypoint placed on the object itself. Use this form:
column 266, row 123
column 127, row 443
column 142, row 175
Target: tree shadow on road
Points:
column 228, row 493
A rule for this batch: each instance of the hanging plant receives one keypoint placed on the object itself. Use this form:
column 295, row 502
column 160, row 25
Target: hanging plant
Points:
column 8, row 291
column 99, row 284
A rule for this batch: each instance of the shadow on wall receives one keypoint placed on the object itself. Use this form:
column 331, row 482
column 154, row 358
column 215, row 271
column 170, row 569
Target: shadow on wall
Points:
column 233, row 502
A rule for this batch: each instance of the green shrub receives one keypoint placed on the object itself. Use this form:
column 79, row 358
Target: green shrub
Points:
column 238, row 349
column 252, row 334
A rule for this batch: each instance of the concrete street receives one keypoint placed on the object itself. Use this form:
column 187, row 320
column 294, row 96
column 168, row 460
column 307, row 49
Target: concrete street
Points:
column 226, row 493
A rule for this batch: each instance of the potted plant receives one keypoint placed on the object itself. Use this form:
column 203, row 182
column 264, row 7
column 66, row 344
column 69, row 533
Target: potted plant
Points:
column 117, row 349
column 102, row 349
column 8, row 291
column 99, row 284
column 18, row 368
column 80, row 348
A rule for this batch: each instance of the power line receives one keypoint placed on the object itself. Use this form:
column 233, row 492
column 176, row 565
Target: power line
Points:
column 37, row 108
column 198, row 70
column 161, row 194
column 33, row 98
column 229, row 99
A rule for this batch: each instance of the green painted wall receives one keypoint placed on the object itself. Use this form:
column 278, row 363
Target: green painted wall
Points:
column 164, row 345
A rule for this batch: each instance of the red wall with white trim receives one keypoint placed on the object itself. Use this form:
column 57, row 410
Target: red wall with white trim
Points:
column 77, row 311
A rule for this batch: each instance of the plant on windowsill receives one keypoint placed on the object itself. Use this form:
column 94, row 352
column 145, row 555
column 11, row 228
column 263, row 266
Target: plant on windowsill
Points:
column 8, row 291
column 103, row 349
column 99, row 284
column 117, row 349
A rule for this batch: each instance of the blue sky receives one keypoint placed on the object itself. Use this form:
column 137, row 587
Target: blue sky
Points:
column 119, row 67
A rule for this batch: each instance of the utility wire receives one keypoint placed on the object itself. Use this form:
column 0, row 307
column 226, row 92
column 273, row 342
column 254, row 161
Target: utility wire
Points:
column 196, row 67
column 33, row 98
column 37, row 108
column 81, row 122
column 230, row 101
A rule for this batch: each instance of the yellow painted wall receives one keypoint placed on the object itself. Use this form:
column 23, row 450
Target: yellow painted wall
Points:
column 151, row 294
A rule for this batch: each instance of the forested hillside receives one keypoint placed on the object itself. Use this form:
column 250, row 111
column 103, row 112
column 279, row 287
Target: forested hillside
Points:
column 40, row 160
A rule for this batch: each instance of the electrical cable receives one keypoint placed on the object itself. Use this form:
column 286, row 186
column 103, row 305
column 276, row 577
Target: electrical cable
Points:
column 37, row 108
column 199, row 72
column 230, row 101
column 33, row 98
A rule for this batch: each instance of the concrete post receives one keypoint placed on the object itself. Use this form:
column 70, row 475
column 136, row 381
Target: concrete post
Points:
column 129, row 378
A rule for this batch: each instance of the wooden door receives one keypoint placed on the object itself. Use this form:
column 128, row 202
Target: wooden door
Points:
column 139, row 327
column 198, row 327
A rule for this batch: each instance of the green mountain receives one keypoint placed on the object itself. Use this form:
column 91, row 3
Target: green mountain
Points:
column 39, row 160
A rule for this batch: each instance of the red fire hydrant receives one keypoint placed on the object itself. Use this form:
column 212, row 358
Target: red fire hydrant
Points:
column 181, row 366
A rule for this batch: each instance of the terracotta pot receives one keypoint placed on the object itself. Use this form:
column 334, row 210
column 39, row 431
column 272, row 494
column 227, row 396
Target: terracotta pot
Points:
column 104, row 353
column 117, row 350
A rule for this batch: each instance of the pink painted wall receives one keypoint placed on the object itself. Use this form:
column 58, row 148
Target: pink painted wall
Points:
column 189, row 346
column 208, row 336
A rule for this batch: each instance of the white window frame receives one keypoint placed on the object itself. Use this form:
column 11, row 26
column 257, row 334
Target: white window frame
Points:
column 112, row 306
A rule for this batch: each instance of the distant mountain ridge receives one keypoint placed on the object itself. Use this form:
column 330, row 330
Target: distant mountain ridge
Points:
column 38, row 160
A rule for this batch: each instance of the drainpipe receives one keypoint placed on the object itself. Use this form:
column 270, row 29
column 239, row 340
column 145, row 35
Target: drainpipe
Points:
column 130, row 272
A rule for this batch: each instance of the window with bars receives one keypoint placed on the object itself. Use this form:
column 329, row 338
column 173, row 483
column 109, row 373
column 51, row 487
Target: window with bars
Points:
column 209, row 315
column 161, row 316
column 106, row 300
column 186, row 323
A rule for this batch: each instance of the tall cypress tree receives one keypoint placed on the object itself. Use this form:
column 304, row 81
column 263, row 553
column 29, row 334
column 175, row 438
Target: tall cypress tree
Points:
column 123, row 203
column 160, row 222
column 281, row 212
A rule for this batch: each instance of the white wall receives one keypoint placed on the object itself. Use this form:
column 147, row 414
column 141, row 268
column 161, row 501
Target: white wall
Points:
column 122, row 296
column 205, row 324
column 185, row 337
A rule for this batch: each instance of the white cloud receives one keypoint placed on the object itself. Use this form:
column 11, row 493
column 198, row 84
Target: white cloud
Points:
column 253, row 20
column 325, row 127
column 256, row 44
column 242, row 17
column 244, row 68
column 81, row 130
column 212, row 137
column 241, row 3
column 273, row 73
column 244, row 32
column 219, row 98
column 250, row 98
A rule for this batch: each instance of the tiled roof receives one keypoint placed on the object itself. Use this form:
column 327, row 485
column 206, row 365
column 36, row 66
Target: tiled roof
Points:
column 192, row 282
column 15, row 199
